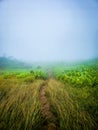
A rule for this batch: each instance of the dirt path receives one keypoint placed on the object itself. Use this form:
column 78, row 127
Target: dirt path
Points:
column 46, row 110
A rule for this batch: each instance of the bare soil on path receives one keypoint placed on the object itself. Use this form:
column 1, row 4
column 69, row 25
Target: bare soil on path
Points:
column 46, row 109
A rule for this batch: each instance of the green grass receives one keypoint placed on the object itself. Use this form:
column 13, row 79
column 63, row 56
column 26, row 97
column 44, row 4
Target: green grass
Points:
column 19, row 105
column 71, row 92
column 69, row 113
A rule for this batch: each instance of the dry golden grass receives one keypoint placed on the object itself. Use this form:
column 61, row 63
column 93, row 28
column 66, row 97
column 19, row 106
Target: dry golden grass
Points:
column 69, row 115
column 19, row 105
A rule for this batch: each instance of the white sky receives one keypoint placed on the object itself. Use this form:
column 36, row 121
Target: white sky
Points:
column 49, row 30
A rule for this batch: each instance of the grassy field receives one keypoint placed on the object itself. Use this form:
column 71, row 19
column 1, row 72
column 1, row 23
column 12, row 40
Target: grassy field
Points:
column 58, row 98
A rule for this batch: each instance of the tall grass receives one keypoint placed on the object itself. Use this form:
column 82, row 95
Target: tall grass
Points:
column 19, row 105
column 69, row 114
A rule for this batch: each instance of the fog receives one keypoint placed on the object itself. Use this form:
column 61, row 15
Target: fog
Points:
column 49, row 30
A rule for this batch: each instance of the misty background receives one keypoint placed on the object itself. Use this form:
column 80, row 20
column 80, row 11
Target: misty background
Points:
column 49, row 30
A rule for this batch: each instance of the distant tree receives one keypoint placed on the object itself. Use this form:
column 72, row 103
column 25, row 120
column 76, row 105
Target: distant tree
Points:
column 31, row 71
column 39, row 67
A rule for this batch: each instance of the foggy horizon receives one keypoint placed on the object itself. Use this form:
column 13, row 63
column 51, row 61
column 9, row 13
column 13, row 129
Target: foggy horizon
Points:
column 55, row 30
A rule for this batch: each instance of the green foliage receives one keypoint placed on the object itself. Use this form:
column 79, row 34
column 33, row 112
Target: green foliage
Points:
column 71, row 91
column 84, row 76
column 83, row 82
column 32, row 75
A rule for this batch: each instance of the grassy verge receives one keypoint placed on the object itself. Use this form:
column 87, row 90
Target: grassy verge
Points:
column 71, row 97
column 70, row 115
column 19, row 105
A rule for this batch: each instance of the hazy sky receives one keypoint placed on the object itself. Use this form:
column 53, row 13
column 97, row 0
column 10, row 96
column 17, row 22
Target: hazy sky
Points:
column 42, row 30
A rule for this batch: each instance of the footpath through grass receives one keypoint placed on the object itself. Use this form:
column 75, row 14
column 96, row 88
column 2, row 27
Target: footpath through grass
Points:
column 34, row 101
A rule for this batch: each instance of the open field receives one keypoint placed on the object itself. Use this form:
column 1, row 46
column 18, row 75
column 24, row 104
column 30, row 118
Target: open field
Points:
column 62, row 98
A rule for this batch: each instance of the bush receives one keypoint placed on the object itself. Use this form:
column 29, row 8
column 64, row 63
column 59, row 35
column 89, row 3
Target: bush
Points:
column 29, row 79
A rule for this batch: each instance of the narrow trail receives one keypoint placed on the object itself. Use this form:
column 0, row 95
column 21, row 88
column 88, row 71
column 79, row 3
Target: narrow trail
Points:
column 46, row 109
